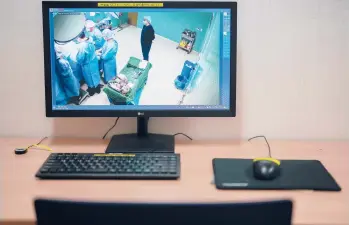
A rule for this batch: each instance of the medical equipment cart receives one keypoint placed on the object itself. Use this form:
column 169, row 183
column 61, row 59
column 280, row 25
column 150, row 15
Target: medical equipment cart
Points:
column 136, row 75
column 187, row 41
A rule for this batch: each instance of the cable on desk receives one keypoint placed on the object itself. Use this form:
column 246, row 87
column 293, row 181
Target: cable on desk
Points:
column 37, row 145
column 116, row 121
column 262, row 136
column 42, row 140
column 40, row 146
column 183, row 135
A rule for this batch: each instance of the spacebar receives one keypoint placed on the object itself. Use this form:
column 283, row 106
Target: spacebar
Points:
column 96, row 171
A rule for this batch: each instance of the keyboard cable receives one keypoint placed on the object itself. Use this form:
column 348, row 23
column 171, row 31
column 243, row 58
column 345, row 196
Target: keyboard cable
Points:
column 185, row 135
column 116, row 121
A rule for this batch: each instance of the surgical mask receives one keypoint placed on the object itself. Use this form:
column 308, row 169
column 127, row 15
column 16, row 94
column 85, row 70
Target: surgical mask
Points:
column 145, row 22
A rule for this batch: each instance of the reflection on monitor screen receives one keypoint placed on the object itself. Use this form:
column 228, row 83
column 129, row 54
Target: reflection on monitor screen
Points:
column 140, row 59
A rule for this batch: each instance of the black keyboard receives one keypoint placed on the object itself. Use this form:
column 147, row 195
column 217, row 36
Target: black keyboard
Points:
column 110, row 166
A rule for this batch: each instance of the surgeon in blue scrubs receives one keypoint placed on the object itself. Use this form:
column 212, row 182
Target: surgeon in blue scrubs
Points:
column 87, row 58
column 75, row 66
column 108, row 56
column 94, row 34
column 96, row 37
column 60, row 98
column 65, row 74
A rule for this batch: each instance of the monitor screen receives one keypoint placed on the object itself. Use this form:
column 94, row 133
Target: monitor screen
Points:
column 133, row 58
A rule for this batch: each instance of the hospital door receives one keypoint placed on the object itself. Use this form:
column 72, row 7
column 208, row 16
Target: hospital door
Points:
column 132, row 18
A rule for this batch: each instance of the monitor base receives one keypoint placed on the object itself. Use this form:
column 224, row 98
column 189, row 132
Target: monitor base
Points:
column 133, row 143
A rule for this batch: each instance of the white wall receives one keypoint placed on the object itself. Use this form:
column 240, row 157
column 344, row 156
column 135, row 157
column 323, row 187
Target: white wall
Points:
column 206, row 90
column 293, row 76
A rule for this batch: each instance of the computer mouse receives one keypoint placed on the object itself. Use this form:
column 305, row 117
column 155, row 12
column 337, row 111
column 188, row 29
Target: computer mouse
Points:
column 266, row 168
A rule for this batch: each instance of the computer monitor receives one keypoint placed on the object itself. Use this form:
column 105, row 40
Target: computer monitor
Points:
column 140, row 59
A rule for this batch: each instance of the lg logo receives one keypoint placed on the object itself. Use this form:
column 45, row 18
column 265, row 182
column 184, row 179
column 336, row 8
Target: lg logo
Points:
column 140, row 113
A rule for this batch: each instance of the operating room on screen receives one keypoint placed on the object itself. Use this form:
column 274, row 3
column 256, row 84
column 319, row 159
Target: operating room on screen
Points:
column 136, row 58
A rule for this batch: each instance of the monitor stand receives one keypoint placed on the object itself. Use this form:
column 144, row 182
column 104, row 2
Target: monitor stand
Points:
column 142, row 141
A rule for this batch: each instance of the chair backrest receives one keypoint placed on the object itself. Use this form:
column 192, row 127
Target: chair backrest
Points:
column 57, row 212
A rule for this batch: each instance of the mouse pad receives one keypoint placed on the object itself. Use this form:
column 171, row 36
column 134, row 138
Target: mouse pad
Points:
column 295, row 174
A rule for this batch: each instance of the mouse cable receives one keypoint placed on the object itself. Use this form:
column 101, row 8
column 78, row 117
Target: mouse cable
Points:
column 187, row 136
column 116, row 121
column 262, row 136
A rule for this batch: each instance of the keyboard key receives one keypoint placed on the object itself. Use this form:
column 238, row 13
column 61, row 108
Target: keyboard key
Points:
column 44, row 170
column 101, row 170
column 53, row 156
column 53, row 170
column 138, row 171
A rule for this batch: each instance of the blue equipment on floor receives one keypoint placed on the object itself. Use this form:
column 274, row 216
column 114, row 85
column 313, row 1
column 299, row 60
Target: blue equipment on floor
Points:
column 181, row 82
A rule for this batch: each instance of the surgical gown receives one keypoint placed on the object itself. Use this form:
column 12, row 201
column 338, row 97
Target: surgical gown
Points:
column 75, row 67
column 109, row 51
column 87, row 58
column 97, row 38
column 73, row 50
column 59, row 96
column 69, row 83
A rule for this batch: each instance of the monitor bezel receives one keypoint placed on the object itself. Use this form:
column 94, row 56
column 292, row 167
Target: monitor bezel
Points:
column 231, row 112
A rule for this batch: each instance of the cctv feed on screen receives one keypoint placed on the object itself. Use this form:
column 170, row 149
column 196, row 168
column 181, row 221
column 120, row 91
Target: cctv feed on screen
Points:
column 136, row 58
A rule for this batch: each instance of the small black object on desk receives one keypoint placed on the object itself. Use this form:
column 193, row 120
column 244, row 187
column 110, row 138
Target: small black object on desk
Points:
column 266, row 169
column 21, row 151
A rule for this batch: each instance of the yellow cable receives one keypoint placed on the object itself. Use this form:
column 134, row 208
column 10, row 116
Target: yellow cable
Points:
column 43, row 147
column 39, row 146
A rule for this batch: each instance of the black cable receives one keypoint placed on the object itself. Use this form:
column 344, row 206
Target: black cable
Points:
column 262, row 136
column 41, row 140
column 116, row 121
column 183, row 135
column 37, row 143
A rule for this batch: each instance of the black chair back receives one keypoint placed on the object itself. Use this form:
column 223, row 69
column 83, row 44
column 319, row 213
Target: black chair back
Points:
column 57, row 212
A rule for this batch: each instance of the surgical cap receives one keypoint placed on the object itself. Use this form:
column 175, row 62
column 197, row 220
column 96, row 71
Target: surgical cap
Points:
column 148, row 18
column 59, row 50
column 108, row 34
column 89, row 24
